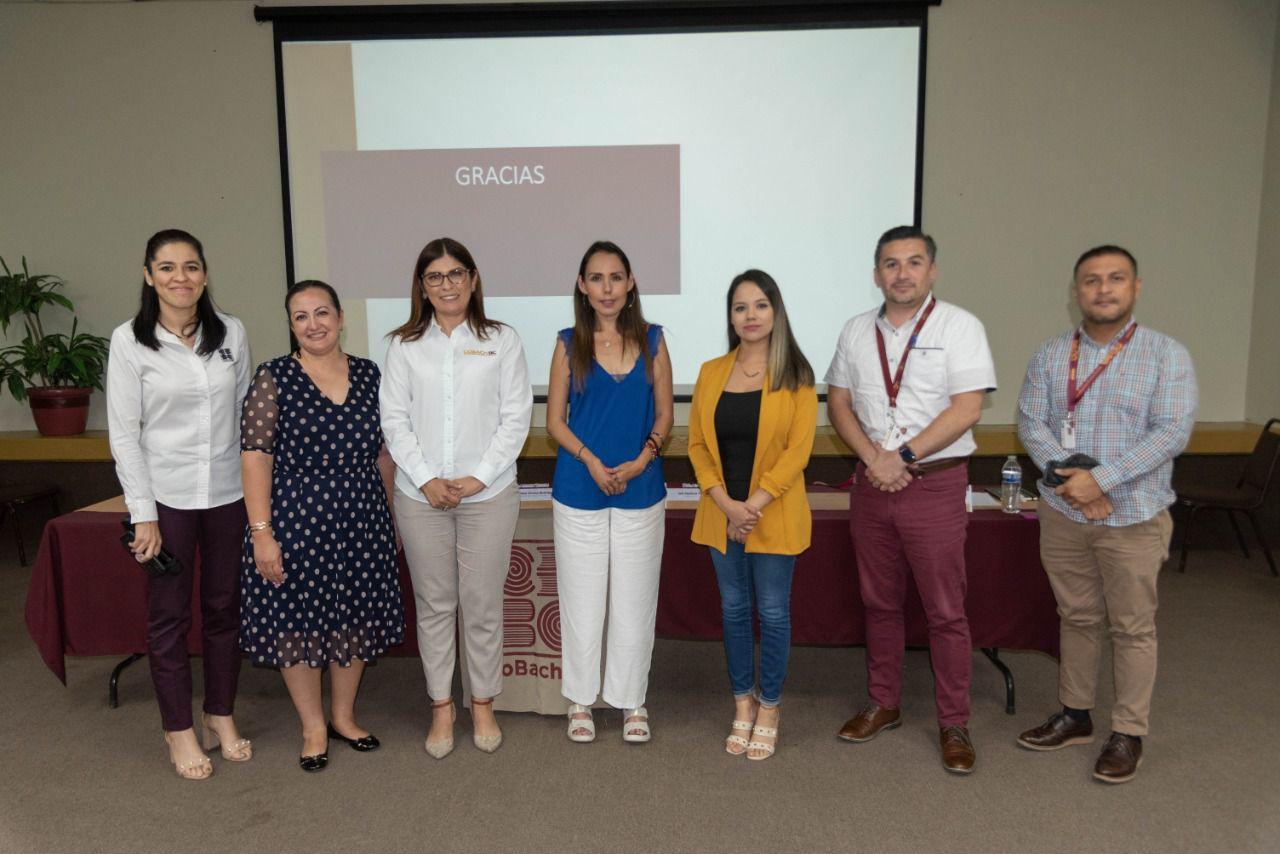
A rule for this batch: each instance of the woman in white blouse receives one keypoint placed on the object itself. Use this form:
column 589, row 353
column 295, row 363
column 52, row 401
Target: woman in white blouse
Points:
column 175, row 380
column 455, row 404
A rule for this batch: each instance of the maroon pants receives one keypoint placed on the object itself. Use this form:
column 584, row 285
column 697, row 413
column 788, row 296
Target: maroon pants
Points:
column 219, row 533
column 920, row 531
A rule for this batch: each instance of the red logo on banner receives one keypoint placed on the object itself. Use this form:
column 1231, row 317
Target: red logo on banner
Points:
column 530, row 610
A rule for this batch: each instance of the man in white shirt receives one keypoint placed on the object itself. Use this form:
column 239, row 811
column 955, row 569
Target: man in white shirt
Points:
column 904, row 388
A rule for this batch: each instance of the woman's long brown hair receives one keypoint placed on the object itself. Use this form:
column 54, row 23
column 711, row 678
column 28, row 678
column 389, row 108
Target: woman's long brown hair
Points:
column 421, row 311
column 788, row 368
column 631, row 322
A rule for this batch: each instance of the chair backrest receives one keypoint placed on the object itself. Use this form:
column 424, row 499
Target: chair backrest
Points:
column 1261, row 467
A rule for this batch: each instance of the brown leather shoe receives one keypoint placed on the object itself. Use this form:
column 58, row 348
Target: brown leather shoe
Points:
column 957, row 749
column 1057, row 732
column 1120, row 759
column 868, row 723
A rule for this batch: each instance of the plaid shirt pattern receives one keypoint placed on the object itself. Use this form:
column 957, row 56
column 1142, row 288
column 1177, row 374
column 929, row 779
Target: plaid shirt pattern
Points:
column 1133, row 420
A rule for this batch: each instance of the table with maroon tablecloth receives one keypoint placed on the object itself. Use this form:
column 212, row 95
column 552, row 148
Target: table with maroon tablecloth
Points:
column 87, row 595
column 1010, row 604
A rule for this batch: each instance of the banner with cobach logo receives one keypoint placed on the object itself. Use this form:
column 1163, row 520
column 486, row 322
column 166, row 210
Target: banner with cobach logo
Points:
column 530, row 622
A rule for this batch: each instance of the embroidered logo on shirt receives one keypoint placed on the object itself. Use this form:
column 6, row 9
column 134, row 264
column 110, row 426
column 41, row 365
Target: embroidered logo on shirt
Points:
column 480, row 352
column 225, row 353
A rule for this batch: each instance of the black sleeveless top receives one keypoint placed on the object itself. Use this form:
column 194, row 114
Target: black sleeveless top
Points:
column 737, row 427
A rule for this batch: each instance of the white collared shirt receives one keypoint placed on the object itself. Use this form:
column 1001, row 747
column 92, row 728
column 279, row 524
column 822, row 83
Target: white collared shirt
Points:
column 173, row 419
column 454, row 406
column 951, row 357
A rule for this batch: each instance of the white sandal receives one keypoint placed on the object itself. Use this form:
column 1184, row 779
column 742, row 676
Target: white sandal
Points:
column 767, row 732
column 588, row 723
column 641, row 723
column 735, row 740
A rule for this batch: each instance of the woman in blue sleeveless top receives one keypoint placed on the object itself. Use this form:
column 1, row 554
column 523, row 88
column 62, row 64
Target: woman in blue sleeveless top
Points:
column 609, row 406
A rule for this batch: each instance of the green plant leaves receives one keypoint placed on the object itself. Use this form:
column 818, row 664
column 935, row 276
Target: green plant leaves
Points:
column 59, row 360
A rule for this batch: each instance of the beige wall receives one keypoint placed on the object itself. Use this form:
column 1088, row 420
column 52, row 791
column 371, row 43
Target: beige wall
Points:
column 1051, row 126
column 1264, row 347
column 122, row 119
column 1055, row 126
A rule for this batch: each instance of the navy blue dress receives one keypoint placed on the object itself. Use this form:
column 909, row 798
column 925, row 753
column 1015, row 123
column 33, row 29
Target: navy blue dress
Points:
column 340, row 600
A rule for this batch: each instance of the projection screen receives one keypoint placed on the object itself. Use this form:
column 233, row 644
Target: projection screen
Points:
column 703, row 139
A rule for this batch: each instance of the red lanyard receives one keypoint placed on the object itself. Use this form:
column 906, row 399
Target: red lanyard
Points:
column 894, row 383
column 1074, row 393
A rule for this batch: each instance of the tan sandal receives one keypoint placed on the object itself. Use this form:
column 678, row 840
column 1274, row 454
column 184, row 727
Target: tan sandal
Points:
column 240, row 750
column 196, row 769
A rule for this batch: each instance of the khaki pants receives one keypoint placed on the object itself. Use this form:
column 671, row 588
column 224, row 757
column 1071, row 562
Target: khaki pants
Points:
column 1104, row 574
column 459, row 559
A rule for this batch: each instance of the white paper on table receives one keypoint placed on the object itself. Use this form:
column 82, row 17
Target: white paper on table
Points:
column 982, row 500
column 684, row 492
column 535, row 492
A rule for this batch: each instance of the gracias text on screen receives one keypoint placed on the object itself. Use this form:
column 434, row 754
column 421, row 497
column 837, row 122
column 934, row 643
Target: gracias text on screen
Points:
column 483, row 176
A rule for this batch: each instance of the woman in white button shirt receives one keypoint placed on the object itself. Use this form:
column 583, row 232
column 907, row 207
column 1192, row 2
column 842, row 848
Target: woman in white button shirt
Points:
column 175, row 379
column 455, row 404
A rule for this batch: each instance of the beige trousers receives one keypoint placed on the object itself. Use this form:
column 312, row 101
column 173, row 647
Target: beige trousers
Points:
column 459, row 558
column 1102, row 574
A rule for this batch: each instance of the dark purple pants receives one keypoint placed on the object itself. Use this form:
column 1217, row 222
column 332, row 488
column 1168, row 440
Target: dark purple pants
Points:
column 219, row 533
column 920, row 531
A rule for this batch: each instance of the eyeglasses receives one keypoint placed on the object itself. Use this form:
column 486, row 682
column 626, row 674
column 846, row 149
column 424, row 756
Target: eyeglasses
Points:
column 456, row 276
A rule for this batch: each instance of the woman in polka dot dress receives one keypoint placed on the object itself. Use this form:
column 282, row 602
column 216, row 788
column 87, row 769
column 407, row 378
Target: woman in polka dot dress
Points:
column 319, row 579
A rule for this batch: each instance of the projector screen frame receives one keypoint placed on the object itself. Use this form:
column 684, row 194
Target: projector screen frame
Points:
column 609, row 17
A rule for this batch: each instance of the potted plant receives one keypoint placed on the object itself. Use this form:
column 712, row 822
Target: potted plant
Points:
column 55, row 371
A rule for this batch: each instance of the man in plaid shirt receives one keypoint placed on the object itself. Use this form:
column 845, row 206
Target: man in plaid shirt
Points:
column 1124, row 395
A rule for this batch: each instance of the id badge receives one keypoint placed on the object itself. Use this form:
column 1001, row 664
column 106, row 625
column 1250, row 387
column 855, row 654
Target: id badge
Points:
column 893, row 434
column 1069, row 435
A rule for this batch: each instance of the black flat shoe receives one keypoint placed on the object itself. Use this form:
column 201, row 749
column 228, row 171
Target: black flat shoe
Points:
column 318, row 762
column 364, row 745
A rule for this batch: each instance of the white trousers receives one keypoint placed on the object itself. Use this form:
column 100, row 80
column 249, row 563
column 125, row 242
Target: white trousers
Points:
column 608, row 563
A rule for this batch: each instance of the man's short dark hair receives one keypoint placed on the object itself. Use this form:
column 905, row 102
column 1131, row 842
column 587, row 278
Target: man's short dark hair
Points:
column 1105, row 249
column 907, row 232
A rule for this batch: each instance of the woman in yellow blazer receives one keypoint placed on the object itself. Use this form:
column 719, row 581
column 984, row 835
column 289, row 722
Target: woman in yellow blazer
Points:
column 750, row 435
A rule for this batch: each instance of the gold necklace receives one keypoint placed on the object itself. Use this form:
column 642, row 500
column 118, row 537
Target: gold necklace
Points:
column 747, row 373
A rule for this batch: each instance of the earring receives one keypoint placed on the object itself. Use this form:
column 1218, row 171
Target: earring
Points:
column 633, row 298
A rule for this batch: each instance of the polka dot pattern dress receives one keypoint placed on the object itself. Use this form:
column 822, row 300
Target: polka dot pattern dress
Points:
column 340, row 600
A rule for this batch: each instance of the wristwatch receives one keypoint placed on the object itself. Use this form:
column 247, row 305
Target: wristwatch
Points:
column 908, row 456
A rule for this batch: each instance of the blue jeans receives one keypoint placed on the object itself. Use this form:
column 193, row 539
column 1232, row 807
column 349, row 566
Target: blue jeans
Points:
column 768, row 577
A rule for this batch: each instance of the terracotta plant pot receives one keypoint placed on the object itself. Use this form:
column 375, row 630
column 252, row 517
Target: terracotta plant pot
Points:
column 60, row 411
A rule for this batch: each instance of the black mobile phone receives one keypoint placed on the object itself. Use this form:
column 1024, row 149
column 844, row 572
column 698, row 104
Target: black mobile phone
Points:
column 162, row 564
column 1075, row 461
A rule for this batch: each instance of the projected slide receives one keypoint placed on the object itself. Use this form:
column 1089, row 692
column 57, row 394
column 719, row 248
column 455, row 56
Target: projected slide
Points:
column 701, row 154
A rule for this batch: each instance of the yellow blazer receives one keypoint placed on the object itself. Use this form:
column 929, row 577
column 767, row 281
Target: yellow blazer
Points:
column 788, row 420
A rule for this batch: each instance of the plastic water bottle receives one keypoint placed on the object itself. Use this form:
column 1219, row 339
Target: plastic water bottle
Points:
column 1011, row 485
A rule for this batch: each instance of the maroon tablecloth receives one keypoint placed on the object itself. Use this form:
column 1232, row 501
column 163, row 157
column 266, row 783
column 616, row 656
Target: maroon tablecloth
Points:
column 87, row 595
column 1010, row 603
